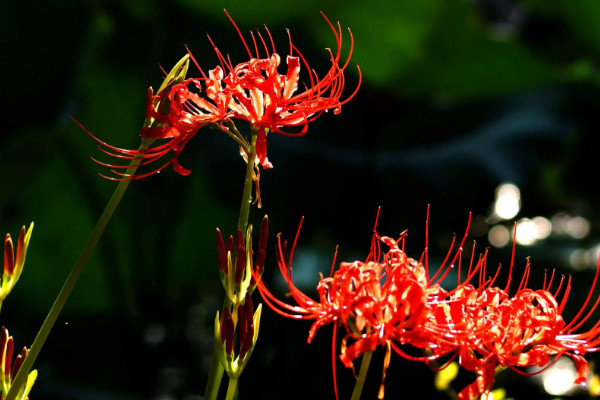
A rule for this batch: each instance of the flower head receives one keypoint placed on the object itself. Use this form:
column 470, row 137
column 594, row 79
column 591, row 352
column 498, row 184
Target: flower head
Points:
column 161, row 123
column 252, row 91
column 379, row 302
column 389, row 300
column 271, row 101
column 489, row 329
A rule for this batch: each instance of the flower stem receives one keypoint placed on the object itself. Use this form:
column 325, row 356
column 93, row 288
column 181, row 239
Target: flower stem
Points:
column 216, row 370
column 231, row 389
column 233, row 133
column 247, row 193
column 215, row 374
column 362, row 374
column 71, row 280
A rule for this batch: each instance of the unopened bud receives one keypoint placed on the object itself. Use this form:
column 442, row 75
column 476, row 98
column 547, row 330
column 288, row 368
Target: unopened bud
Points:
column 3, row 339
column 18, row 362
column 8, row 353
column 240, row 265
column 247, row 338
column 9, row 255
column 227, row 331
column 221, row 253
column 14, row 261
column 239, row 240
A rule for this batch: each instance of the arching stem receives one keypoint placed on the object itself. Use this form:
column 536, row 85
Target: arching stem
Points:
column 71, row 280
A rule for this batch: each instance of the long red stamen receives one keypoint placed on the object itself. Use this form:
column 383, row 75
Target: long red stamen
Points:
column 512, row 258
column 239, row 33
column 426, row 251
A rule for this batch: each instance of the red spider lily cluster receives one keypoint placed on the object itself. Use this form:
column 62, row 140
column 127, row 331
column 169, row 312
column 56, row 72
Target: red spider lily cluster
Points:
column 389, row 300
column 488, row 328
column 252, row 91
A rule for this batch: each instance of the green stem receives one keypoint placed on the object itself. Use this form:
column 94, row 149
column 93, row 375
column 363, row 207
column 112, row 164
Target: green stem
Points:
column 362, row 374
column 247, row 193
column 233, row 133
column 216, row 370
column 215, row 374
column 69, row 284
column 231, row 389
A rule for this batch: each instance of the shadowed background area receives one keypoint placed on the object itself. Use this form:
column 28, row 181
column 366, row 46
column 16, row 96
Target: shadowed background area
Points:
column 458, row 97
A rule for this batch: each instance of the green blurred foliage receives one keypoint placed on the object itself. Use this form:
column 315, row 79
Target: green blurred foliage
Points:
column 462, row 59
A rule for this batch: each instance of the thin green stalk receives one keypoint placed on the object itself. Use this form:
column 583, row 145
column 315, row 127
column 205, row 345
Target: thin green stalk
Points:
column 69, row 284
column 362, row 374
column 216, row 370
column 215, row 375
column 233, row 133
column 248, row 180
column 231, row 389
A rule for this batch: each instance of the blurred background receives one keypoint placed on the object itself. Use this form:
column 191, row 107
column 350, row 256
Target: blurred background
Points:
column 482, row 106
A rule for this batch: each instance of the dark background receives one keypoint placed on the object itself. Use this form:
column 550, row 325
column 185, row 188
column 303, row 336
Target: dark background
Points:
column 458, row 96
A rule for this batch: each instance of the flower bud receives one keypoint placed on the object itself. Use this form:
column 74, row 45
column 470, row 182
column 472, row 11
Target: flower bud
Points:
column 8, row 374
column 247, row 334
column 14, row 262
column 18, row 362
column 221, row 253
column 239, row 240
column 158, row 106
column 7, row 351
column 9, row 256
column 240, row 265
column 227, row 331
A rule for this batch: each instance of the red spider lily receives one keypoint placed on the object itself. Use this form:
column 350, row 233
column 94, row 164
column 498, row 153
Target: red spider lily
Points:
column 184, row 111
column 489, row 329
column 253, row 91
column 175, row 113
column 391, row 303
column 268, row 100
column 327, row 310
column 390, row 307
column 380, row 302
column 335, row 293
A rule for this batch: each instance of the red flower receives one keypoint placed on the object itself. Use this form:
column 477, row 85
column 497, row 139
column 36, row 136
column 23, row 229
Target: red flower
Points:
column 488, row 329
column 388, row 300
column 325, row 311
column 175, row 113
column 391, row 303
column 252, row 91
column 379, row 301
column 269, row 100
